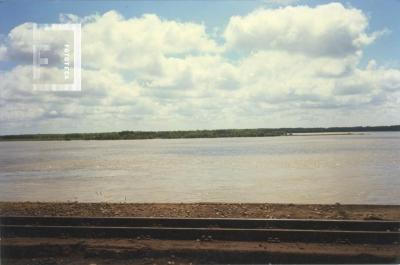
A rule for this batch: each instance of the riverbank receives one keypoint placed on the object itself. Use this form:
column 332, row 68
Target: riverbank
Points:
column 211, row 210
column 221, row 133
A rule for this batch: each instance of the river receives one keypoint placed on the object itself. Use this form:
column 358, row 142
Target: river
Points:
column 356, row 169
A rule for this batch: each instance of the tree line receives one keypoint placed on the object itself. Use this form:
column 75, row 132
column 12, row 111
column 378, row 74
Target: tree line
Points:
column 131, row 135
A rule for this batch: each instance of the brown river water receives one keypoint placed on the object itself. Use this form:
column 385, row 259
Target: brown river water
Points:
column 356, row 169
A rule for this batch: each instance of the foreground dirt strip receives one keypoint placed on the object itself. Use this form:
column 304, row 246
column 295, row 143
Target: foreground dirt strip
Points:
column 151, row 251
column 167, row 251
column 207, row 210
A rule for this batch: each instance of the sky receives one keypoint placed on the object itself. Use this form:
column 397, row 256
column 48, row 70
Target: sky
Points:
column 177, row 65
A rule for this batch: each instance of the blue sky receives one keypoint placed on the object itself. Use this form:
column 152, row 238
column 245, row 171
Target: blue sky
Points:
column 237, row 64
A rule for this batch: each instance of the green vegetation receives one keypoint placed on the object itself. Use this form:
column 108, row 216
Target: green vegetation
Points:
column 124, row 135
column 148, row 135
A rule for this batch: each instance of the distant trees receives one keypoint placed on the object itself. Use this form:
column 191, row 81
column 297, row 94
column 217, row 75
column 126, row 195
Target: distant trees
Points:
column 190, row 134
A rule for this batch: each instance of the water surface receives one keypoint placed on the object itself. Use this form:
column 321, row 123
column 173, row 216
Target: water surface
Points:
column 298, row 169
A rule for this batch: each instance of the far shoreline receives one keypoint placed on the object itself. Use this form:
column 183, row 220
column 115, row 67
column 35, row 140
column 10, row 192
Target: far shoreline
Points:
column 196, row 134
column 187, row 138
column 329, row 134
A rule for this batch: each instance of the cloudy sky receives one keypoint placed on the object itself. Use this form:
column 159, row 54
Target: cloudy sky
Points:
column 169, row 65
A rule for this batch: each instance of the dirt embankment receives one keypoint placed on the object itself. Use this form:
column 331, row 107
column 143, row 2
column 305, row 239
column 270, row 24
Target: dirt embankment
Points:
column 211, row 210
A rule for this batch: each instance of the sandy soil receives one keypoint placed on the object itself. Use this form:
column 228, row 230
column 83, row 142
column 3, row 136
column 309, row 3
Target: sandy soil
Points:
column 132, row 251
column 228, row 210
column 138, row 251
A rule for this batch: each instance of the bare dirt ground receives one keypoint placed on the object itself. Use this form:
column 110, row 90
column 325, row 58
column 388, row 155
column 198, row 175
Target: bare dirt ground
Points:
column 211, row 210
column 150, row 251
column 133, row 251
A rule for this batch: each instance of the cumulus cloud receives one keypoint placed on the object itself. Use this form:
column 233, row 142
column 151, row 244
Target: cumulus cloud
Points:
column 326, row 30
column 18, row 45
column 139, row 43
column 298, row 66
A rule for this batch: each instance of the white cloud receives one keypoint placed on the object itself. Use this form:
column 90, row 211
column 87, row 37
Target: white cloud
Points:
column 150, row 73
column 18, row 45
column 326, row 30
column 139, row 43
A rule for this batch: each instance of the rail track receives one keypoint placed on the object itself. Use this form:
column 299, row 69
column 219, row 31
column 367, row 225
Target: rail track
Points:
column 267, row 230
